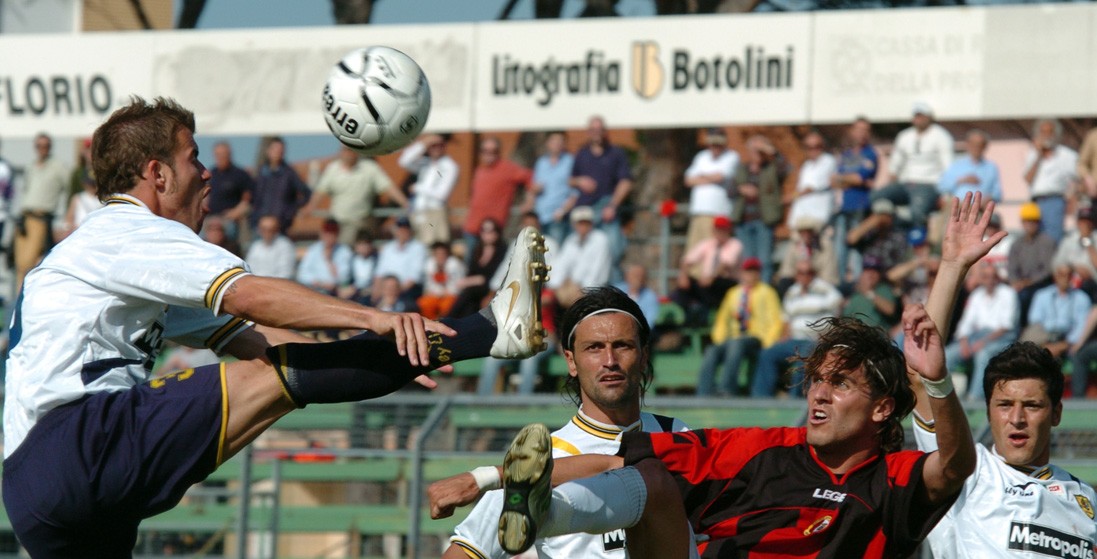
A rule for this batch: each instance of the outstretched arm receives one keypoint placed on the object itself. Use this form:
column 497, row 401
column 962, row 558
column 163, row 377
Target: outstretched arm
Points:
column 962, row 247
column 945, row 470
column 462, row 489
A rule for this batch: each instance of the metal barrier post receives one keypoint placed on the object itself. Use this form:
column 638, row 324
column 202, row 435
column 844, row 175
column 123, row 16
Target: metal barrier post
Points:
column 415, row 489
column 276, row 505
column 245, row 504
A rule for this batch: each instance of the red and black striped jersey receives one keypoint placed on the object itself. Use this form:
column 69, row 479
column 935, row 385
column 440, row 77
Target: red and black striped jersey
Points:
column 759, row 493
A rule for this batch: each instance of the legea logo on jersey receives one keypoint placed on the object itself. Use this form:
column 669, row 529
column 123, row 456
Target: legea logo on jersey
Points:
column 829, row 495
column 1047, row 541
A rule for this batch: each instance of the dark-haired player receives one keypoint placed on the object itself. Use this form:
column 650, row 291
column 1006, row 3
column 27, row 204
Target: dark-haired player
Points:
column 1016, row 503
column 607, row 344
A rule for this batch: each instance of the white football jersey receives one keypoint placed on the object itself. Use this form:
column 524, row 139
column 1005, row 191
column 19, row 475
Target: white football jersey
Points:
column 93, row 315
column 478, row 535
column 1003, row 512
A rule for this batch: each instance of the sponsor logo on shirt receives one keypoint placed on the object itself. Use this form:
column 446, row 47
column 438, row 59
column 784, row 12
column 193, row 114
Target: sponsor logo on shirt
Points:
column 819, row 525
column 1021, row 489
column 1047, row 541
column 829, row 495
column 613, row 541
column 151, row 343
column 1056, row 488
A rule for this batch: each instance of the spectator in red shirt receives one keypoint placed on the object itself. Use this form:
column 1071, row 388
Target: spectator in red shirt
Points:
column 494, row 184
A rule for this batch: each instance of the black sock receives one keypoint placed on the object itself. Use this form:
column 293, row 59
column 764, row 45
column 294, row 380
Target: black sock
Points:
column 367, row 365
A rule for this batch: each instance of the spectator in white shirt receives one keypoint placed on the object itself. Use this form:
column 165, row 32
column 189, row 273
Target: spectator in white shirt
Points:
column 813, row 198
column 436, row 175
column 986, row 327
column 584, row 259
column 402, row 257
column 708, row 179
column 918, row 159
column 272, row 254
column 1050, row 174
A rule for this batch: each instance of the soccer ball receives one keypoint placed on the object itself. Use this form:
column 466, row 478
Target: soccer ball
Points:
column 376, row 100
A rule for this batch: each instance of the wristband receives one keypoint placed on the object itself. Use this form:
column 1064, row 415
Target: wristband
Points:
column 938, row 388
column 487, row 478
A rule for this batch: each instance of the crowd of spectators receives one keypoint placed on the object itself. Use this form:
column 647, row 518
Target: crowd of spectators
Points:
column 769, row 248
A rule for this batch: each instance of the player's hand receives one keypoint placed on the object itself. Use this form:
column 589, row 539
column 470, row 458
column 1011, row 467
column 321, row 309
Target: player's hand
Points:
column 922, row 345
column 964, row 243
column 409, row 331
column 447, row 494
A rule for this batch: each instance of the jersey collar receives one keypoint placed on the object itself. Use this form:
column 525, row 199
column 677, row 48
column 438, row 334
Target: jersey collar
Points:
column 1038, row 472
column 124, row 199
column 601, row 430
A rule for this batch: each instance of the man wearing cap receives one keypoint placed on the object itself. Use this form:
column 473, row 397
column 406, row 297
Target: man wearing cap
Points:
column 1077, row 250
column 1028, row 265
column 709, row 269
column 879, row 238
column 748, row 321
column 708, row 179
column 405, row 258
column 813, row 197
column 920, row 156
column 808, row 245
column 973, row 172
column 584, row 259
column 1049, row 172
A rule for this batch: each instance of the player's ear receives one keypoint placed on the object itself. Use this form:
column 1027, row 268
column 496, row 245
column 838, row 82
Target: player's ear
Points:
column 569, row 357
column 154, row 171
column 1056, row 414
column 884, row 408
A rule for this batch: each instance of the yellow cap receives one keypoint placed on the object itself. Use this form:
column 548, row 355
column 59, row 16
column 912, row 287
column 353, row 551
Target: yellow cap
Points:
column 1030, row 212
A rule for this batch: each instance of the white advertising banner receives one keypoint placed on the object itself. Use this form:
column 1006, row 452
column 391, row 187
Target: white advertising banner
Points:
column 876, row 63
column 686, row 71
column 237, row 82
column 650, row 72
column 1041, row 61
column 66, row 85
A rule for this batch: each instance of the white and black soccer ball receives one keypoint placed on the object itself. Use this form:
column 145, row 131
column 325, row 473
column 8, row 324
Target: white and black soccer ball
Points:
column 376, row 100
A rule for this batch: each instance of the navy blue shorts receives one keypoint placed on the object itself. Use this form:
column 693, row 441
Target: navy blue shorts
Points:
column 90, row 471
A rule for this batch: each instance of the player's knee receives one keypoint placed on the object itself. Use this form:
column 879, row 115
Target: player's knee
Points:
column 657, row 479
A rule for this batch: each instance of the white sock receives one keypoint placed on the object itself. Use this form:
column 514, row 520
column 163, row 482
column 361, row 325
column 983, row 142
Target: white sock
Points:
column 599, row 504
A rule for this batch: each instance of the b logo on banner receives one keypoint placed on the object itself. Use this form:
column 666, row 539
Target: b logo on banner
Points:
column 647, row 73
